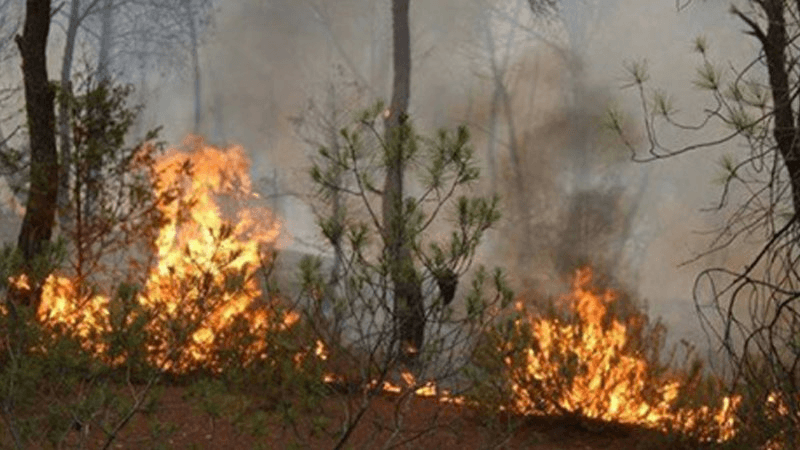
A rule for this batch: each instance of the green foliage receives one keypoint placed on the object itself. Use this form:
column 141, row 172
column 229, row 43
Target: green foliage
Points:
column 110, row 199
column 638, row 71
column 50, row 386
column 708, row 77
column 701, row 44
column 443, row 166
column 438, row 221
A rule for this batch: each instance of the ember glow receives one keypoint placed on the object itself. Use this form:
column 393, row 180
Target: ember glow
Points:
column 586, row 368
column 208, row 251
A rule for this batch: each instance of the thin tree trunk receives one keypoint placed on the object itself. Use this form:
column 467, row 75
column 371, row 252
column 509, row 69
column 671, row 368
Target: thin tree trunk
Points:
column 337, row 207
column 408, row 306
column 95, row 162
column 106, row 41
column 491, row 148
column 40, row 209
column 64, row 137
column 195, row 65
column 501, row 97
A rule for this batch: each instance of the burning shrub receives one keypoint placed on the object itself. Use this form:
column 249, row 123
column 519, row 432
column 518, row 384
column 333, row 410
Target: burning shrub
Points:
column 591, row 365
column 202, row 293
column 163, row 254
column 198, row 308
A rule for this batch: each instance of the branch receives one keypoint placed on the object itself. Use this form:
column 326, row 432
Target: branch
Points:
column 755, row 30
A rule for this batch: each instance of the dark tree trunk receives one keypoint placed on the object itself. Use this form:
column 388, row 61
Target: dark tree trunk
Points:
column 37, row 225
column 775, row 43
column 409, row 310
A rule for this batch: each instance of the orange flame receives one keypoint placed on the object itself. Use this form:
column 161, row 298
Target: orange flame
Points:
column 603, row 380
column 201, row 252
column 208, row 251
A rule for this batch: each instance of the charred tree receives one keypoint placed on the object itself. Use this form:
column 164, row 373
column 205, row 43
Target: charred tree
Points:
column 409, row 311
column 40, row 209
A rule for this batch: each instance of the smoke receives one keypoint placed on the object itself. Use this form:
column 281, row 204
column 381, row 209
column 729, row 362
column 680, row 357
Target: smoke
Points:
column 570, row 194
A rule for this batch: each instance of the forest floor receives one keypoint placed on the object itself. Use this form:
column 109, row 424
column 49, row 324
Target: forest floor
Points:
column 179, row 422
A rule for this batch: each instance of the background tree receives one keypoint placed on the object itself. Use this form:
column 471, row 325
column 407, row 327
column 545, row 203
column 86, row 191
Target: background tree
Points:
column 76, row 16
column 370, row 349
column 409, row 309
column 162, row 32
column 167, row 34
column 11, row 15
column 752, row 312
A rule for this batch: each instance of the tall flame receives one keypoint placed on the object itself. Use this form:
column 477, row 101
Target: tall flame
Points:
column 209, row 248
column 201, row 252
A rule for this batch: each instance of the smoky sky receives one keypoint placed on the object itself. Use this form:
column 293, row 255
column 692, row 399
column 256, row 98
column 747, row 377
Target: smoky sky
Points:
column 265, row 62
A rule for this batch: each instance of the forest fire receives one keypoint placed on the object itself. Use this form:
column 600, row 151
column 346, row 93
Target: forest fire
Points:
column 208, row 249
column 203, row 286
column 588, row 368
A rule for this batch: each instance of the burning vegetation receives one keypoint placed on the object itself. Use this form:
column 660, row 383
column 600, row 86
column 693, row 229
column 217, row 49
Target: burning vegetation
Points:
column 201, row 293
column 204, row 283
column 593, row 365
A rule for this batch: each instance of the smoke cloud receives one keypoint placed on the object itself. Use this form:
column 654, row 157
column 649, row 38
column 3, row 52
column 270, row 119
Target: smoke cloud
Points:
column 570, row 193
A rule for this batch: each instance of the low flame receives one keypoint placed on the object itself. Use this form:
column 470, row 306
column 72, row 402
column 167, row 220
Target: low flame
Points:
column 585, row 368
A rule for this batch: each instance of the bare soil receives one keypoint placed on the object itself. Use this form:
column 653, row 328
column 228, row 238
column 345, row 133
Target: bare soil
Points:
column 178, row 422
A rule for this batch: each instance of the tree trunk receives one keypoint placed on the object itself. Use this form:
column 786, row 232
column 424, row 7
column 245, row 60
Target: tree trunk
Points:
column 40, row 209
column 336, row 208
column 409, row 310
column 786, row 133
column 63, row 107
column 95, row 162
column 106, row 41
column 195, row 65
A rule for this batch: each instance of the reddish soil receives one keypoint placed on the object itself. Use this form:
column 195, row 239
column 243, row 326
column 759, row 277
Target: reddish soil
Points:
column 178, row 422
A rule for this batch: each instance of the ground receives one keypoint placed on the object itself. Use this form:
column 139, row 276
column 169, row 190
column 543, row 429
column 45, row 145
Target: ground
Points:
column 180, row 423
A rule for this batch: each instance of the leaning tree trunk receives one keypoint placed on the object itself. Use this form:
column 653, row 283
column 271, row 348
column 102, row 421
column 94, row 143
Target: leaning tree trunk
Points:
column 409, row 312
column 40, row 209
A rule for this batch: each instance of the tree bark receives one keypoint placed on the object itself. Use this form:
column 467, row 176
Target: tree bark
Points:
column 63, row 106
column 195, row 65
column 40, row 209
column 786, row 133
column 409, row 310
column 106, row 41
